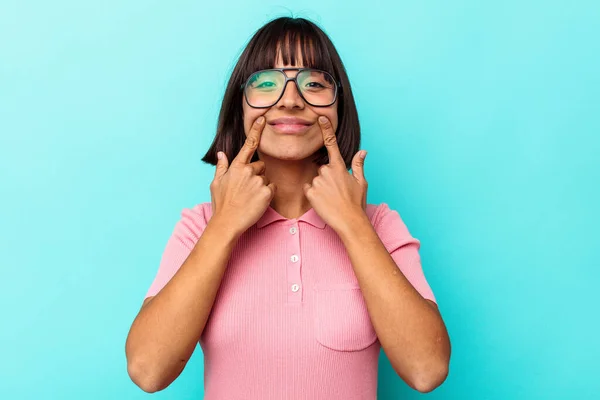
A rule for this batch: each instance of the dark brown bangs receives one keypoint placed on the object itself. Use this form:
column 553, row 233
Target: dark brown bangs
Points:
column 289, row 38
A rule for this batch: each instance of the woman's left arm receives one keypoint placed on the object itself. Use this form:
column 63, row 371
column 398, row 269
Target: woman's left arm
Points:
column 410, row 328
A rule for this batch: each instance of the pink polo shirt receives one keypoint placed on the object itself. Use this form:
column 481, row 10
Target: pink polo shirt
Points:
column 289, row 320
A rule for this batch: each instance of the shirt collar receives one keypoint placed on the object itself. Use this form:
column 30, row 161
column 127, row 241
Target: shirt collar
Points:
column 271, row 215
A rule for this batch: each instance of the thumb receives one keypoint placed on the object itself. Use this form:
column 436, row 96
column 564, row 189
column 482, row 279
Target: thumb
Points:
column 222, row 165
column 305, row 187
column 273, row 188
column 358, row 165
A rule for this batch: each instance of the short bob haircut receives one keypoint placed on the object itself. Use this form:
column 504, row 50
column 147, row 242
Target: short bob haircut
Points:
column 288, row 36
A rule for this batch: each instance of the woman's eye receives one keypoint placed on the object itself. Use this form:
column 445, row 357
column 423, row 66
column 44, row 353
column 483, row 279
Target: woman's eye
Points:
column 265, row 84
column 315, row 85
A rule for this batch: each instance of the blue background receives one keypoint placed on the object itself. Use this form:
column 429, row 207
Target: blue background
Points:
column 482, row 124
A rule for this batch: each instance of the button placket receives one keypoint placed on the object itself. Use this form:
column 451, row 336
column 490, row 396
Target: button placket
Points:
column 294, row 262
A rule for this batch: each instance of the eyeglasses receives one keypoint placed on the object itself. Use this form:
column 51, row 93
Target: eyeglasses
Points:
column 265, row 88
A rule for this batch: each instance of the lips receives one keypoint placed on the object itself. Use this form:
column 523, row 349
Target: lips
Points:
column 290, row 125
column 289, row 121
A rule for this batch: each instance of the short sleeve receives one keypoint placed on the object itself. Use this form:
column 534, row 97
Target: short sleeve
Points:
column 185, row 235
column 403, row 248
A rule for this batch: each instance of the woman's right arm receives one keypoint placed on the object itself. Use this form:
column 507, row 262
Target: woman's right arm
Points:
column 164, row 334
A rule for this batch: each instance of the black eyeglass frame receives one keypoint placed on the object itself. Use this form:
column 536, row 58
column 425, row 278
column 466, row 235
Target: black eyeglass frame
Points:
column 337, row 85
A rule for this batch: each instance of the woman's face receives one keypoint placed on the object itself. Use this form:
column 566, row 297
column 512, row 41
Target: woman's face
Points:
column 276, row 140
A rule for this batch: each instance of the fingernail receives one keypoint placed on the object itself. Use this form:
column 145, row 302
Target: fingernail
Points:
column 220, row 155
column 363, row 154
column 260, row 120
column 322, row 119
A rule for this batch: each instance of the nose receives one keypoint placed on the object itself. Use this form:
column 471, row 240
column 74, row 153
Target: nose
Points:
column 291, row 98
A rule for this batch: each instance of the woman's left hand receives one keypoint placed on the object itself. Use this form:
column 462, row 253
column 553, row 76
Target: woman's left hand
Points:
column 335, row 194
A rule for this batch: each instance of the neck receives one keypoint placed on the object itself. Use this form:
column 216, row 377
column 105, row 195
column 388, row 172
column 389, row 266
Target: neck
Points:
column 289, row 176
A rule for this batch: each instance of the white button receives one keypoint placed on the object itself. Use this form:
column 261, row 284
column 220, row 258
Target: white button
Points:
column 295, row 287
column 294, row 258
column 293, row 230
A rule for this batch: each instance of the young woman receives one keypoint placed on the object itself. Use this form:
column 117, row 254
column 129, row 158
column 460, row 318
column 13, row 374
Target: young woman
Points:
column 289, row 280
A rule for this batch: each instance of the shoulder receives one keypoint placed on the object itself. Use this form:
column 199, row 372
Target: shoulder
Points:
column 381, row 212
column 193, row 219
column 200, row 211
column 389, row 225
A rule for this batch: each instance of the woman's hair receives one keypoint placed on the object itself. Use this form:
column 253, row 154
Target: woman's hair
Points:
column 287, row 36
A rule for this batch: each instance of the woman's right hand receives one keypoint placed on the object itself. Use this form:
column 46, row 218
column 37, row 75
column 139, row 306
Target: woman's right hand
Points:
column 240, row 193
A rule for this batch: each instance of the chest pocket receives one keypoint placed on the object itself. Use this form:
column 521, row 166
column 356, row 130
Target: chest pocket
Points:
column 341, row 319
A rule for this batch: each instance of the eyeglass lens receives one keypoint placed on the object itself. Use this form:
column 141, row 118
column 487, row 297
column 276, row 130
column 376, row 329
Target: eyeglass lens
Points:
column 264, row 88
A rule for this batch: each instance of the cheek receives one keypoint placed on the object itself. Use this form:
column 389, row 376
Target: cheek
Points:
column 331, row 113
column 250, row 114
column 333, row 117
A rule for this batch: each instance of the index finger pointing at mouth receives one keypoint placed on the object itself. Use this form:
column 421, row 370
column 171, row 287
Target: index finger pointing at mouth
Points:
column 251, row 143
column 330, row 141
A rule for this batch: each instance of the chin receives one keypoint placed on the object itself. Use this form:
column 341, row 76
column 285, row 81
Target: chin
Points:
column 288, row 154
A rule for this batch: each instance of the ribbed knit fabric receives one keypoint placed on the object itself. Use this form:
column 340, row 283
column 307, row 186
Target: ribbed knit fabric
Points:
column 289, row 321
